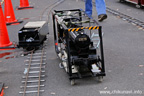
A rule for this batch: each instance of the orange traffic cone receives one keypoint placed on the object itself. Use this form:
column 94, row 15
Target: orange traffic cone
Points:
column 4, row 38
column 9, row 14
column 1, row 89
column 24, row 4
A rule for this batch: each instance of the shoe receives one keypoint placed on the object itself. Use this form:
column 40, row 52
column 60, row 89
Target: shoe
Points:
column 102, row 17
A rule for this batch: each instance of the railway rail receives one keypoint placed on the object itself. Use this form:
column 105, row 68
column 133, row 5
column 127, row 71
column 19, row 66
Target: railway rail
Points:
column 129, row 19
column 34, row 73
column 48, row 9
column 36, row 61
column 125, row 17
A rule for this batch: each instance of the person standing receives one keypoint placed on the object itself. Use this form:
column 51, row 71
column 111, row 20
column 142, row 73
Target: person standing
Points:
column 100, row 8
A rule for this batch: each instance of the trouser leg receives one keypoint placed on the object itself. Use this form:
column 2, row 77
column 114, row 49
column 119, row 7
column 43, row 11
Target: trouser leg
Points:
column 88, row 7
column 100, row 7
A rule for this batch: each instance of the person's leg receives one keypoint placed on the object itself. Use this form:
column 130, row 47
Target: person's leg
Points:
column 100, row 7
column 88, row 7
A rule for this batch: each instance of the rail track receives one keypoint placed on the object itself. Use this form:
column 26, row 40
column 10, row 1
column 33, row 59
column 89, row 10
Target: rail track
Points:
column 48, row 9
column 36, row 60
column 33, row 79
column 134, row 21
column 127, row 18
column 34, row 73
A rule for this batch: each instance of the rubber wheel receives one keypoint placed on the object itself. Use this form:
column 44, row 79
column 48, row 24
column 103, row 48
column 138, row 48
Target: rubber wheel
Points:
column 138, row 6
column 72, row 82
column 100, row 78
column 61, row 66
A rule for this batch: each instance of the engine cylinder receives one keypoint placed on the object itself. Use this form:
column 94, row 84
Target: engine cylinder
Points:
column 80, row 39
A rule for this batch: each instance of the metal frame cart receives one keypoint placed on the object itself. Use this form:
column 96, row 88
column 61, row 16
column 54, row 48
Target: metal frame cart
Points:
column 63, row 28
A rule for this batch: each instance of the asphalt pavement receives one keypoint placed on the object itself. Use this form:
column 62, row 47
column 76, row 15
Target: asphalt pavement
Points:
column 123, row 52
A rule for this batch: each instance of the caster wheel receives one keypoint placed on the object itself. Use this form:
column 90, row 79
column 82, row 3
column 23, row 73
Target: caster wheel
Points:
column 138, row 6
column 100, row 78
column 72, row 82
column 61, row 66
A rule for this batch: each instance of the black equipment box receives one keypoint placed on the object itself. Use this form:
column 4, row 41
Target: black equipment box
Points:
column 33, row 34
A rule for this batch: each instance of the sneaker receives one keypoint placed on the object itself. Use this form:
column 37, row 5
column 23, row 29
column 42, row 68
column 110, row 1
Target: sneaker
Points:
column 102, row 17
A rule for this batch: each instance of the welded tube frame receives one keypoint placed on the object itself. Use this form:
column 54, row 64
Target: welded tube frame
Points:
column 102, row 73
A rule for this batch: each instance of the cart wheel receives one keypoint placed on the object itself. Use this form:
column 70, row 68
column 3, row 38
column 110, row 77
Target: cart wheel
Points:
column 138, row 6
column 72, row 82
column 122, row 1
column 61, row 66
column 100, row 78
